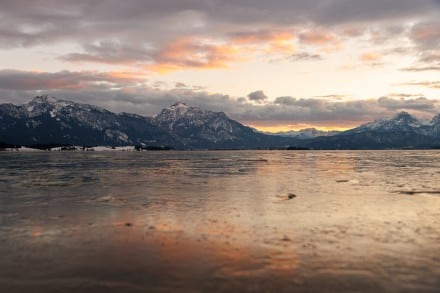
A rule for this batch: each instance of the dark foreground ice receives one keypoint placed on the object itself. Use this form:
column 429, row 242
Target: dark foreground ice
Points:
column 220, row 221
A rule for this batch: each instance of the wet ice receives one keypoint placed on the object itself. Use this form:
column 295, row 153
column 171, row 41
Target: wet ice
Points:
column 363, row 221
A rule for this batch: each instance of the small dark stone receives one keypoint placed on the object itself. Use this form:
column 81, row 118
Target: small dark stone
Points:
column 291, row 195
column 409, row 192
column 285, row 238
column 128, row 224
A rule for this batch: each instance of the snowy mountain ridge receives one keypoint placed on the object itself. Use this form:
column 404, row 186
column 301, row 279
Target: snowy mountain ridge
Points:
column 194, row 126
column 306, row 133
column 403, row 122
column 47, row 120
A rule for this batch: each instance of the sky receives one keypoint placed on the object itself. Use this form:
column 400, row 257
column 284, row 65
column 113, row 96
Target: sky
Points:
column 274, row 65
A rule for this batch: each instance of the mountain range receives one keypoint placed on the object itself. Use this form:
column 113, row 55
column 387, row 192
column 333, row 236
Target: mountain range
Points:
column 305, row 133
column 401, row 131
column 47, row 120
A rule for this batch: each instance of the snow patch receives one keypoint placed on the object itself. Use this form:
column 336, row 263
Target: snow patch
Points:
column 110, row 149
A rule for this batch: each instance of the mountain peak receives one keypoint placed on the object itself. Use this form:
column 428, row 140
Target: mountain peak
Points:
column 44, row 99
column 179, row 105
column 404, row 117
column 179, row 110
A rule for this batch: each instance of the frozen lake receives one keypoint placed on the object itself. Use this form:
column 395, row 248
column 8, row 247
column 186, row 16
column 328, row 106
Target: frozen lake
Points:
column 364, row 221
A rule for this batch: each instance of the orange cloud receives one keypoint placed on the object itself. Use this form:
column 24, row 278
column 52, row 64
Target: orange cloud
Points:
column 206, row 53
column 317, row 37
column 271, row 42
column 328, row 42
column 370, row 57
column 193, row 52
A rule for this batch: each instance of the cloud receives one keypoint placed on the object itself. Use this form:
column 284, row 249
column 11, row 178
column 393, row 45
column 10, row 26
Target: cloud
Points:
column 370, row 57
column 129, row 92
column 30, row 81
column 269, row 41
column 304, row 56
column 431, row 56
column 141, row 36
column 111, row 52
column 194, row 52
column 261, row 36
column 421, row 68
column 426, row 34
column 189, row 52
column 176, row 35
column 285, row 101
column 335, row 97
column 331, row 112
column 138, row 22
column 420, row 103
column 317, row 37
column 355, row 11
column 257, row 96
column 428, row 84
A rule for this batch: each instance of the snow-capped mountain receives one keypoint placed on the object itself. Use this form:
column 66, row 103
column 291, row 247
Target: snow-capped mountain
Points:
column 306, row 133
column 48, row 120
column 403, row 121
column 195, row 127
column 401, row 131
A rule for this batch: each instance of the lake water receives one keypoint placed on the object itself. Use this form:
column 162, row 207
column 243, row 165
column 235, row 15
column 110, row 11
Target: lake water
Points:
column 358, row 221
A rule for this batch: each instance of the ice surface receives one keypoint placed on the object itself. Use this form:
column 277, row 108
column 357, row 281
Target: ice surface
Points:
column 361, row 221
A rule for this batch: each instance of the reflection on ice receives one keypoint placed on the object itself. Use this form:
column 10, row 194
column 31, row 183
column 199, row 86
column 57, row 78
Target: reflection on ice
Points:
column 220, row 221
